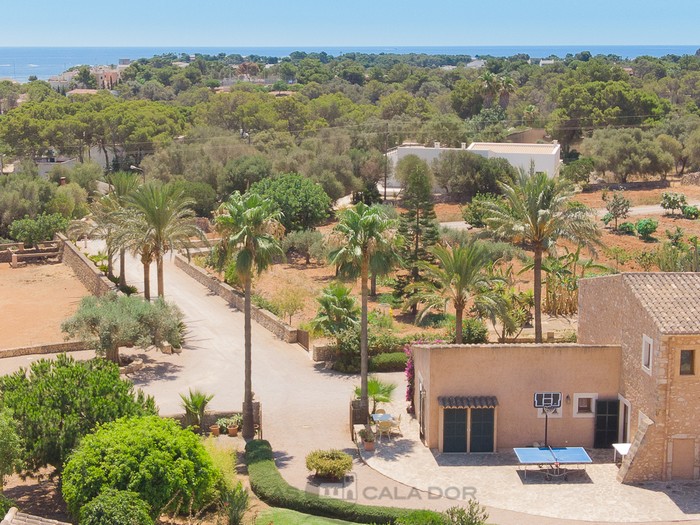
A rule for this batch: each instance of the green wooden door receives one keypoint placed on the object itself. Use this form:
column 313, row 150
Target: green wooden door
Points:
column 482, row 430
column 454, row 430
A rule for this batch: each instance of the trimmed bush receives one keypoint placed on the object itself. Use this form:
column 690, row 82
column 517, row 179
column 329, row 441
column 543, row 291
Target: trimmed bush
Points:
column 422, row 517
column 626, row 228
column 390, row 362
column 333, row 464
column 268, row 484
column 116, row 507
column 167, row 466
column 646, row 227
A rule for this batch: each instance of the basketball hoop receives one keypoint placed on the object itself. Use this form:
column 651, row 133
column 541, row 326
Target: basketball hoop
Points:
column 548, row 402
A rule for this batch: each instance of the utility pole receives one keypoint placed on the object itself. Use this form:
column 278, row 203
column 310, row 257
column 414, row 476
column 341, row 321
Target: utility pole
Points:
column 386, row 158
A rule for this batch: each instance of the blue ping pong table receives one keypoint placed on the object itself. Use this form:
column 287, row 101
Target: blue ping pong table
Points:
column 552, row 460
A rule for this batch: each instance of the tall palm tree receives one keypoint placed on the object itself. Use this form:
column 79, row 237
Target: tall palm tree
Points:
column 250, row 231
column 537, row 213
column 122, row 184
column 459, row 276
column 490, row 87
column 506, row 86
column 367, row 237
column 168, row 219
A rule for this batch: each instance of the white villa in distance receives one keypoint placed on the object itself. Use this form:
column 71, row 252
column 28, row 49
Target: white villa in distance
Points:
column 546, row 157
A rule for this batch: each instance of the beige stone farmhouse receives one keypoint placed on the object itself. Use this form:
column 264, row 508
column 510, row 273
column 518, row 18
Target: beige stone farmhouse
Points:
column 631, row 378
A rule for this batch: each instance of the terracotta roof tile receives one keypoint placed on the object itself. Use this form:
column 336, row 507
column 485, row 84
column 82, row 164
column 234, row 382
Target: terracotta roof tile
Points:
column 672, row 299
column 13, row 517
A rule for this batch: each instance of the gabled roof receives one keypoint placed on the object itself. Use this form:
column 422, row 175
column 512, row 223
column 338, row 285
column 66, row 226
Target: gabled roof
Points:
column 13, row 517
column 672, row 299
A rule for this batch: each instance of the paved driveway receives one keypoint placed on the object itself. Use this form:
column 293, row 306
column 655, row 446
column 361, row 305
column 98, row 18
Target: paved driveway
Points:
column 304, row 406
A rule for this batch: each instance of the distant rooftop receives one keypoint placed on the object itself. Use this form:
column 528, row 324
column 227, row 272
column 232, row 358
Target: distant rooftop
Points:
column 511, row 147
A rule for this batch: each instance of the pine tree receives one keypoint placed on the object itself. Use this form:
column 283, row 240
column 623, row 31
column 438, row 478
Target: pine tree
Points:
column 418, row 224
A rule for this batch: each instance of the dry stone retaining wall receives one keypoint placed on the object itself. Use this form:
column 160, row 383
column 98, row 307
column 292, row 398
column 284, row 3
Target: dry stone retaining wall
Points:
column 86, row 272
column 266, row 319
column 52, row 348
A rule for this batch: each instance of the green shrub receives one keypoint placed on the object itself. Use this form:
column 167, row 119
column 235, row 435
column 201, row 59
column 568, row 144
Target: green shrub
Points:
column 627, row 228
column 116, row 507
column 380, row 342
column 646, row 227
column 475, row 212
column 332, row 464
column 673, row 201
column 266, row 304
column 390, row 362
column 43, row 228
column 379, row 319
column 474, row 514
column 167, row 466
column 474, row 331
column 691, row 212
column 269, row 486
column 306, row 243
column 234, row 503
column 53, row 413
column 6, row 504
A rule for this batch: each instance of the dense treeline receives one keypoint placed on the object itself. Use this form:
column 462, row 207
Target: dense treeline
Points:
column 331, row 118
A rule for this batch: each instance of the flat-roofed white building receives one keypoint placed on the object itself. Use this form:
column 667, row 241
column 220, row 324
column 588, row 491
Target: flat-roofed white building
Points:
column 545, row 156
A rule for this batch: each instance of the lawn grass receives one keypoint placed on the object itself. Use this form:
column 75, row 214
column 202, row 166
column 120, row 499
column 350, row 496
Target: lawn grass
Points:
column 292, row 517
column 224, row 458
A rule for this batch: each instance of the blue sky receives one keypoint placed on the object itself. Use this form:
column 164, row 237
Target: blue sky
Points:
column 344, row 23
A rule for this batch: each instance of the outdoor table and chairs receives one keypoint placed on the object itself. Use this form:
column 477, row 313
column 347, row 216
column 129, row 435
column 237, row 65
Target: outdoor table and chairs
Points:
column 553, row 462
column 386, row 423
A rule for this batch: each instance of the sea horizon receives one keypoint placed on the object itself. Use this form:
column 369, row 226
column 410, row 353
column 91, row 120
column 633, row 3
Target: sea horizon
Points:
column 20, row 62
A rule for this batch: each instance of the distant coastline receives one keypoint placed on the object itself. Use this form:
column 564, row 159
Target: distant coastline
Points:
column 18, row 63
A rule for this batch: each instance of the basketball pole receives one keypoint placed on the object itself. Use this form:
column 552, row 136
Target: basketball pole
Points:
column 546, row 426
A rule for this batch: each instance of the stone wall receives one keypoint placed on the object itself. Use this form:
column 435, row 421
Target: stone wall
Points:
column 6, row 251
column 86, row 272
column 52, row 348
column 266, row 319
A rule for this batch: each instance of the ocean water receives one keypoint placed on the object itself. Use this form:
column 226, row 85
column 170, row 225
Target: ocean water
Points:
column 19, row 63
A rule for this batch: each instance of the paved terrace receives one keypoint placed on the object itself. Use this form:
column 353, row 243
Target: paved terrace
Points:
column 306, row 407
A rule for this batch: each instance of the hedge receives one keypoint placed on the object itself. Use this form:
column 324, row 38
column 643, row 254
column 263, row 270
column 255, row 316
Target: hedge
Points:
column 391, row 362
column 268, row 484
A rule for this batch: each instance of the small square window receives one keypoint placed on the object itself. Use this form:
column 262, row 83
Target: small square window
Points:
column 585, row 405
column 687, row 362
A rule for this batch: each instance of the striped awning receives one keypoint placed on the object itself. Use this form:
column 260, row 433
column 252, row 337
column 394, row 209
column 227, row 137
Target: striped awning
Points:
column 468, row 401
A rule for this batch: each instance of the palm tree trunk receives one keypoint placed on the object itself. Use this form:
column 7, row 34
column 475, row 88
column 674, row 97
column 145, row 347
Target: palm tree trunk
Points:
column 110, row 263
column 459, row 313
column 538, row 295
column 248, row 424
column 373, row 286
column 364, row 350
column 159, row 272
column 147, row 280
column 122, row 267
